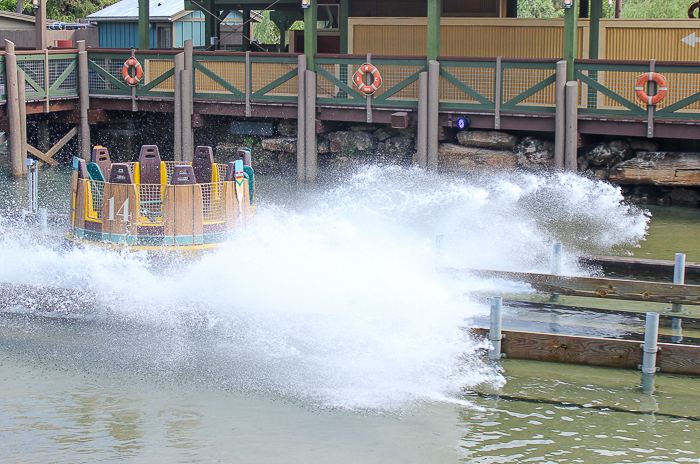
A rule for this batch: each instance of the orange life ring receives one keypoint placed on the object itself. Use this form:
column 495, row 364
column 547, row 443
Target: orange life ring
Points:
column 132, row 80
column 359, row 78
column 641, row 82
column 693, row 9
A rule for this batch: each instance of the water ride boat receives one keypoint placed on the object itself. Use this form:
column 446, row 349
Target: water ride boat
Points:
column 157, row 205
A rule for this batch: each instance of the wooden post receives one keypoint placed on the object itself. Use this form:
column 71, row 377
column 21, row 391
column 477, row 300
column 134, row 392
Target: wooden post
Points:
column 301, row 118
column 40, row 25
column 433, row 46
column 498, row 94
column 84, row 94
column 178, row 68
column 344, row 26
column 433, row 113
column 187, row 79
column 593, row 46
column 310, row 125
column 15, row 143
column 43, row 142
column 246, row 31
column 570, row 38
column 47, row 82
column 310, row 34
column 209, row 24
column 560, row 115
column 248, row 84
column 422, row 129
column 144, row 19
column 22, row 100
column 570, row 153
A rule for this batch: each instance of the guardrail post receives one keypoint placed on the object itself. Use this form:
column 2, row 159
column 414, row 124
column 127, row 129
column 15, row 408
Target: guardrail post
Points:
column 310, row 125
column 178, row 68
column 678, row 278
column 422, row 129
column 497, row 94
column 84, row 96
column 15, row 144
column 650, row 347
column 301, row 118
column 570, row 152
column 560, row 116
column 433, row 113
column 495, row 335
column 44, row 220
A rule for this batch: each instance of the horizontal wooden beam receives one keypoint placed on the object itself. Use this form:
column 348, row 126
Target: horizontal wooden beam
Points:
column 625, row 354
column 661, row 266
column 596, row 287
column 71, row 133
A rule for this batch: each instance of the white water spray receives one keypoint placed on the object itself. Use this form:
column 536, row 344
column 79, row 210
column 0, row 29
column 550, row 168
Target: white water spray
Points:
column 337, row 302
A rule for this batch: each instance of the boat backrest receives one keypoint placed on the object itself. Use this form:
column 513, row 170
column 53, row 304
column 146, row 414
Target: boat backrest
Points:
column 95, row 172
column 203, row 163
column 80, row 165
column 100, row 156
column 183, row 174
column 231, row 171
column 149, row 164
column 245, row 154
column 121, row 174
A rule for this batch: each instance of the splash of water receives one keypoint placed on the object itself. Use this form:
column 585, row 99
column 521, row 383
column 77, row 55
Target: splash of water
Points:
column 336, row 300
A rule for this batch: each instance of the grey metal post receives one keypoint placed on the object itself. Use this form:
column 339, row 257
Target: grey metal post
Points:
column 676, row 330
column 189, row 54
column 301, row 118
column 84, row 94
column 571, row 126
column 44, row 220
column 497, row 94
column 495, row 335
column 22, row 100
column 310, row 125
column 32, row 185
column 15, row 143
column 556, row 260
column 651, row 108
column 651, row 335
column 178, row 68
column 678, row 278
column 422, row 129
column 560, row 115
column 248, row 83
column 433, row 113
column 187, row 103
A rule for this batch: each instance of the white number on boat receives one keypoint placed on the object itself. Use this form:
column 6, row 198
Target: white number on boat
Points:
column 123, row 211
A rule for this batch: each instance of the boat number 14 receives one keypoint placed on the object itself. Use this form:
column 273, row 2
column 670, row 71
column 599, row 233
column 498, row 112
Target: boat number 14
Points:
column 123, row 211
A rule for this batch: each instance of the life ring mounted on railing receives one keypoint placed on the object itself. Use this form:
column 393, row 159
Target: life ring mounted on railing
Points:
column 693, row 10
column 661, row 91
column 126, row 71
column 359, row 78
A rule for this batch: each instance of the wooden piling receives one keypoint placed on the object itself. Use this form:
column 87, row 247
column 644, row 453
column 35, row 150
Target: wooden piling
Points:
column 560, row 116
column 248, row 83
column 15, row 144
column 310, row 125
column 84, row 95
column 43, row 142
column 571, row 147
column 187, row 103
column 422, row 129
column 433, row 114
column 179, row 65
column 22, row 100
column 301, row 118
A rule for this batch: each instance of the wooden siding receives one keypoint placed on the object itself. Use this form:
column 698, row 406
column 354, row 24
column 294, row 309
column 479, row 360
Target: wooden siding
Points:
column 123, row 35
column 645, row 40
column 185, row 30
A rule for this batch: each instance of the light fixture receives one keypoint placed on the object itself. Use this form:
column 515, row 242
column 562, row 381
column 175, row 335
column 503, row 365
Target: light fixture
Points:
column 305, row 3
column 568, row 3
column 35, row 3
column 610, row 3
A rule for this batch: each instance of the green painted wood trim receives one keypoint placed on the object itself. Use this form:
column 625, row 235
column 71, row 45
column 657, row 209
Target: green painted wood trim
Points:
column 341, row 85
column 311, row 33
column 516, row 65
column 221, row 58
column 345, row 101
column 160, row 79
column 108, row 92
column 677, row 69
column 222, row 82
column 63, row 93
column 433, row 43
column 468, row 64
column 682, row 116
column 209, row 26
column 273, row 59
column 594, row 31
column 611, row 113
column 634, row 109
column 63, row 56
column 398, row 87
column 670, row 109
column 344, row 26
column 274, row 84
column 64, row 75
column 278, row 98
column 465, row 88
column 154, row 93
column 38, row 89
column 612, row 67
column 111, row 79
column 219, row 96
column 395, row 104
column 144, row 19
column 529, row 92
column 570, row 38
column 465, row 106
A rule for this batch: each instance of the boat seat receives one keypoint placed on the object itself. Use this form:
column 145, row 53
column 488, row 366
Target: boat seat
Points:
column 80, row 165
column 203, row 164
column 149, row 164
column 121, row 174
column 100, row 156
column 183, row 174
column 95, row 172
column 231, row 171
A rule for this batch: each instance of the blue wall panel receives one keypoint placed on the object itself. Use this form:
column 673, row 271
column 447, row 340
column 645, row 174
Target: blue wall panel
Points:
column 123, row 35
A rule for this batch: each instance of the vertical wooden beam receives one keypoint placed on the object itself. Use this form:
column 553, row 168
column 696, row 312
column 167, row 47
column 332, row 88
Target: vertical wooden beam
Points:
column 570, row 153
column 433, row 113
column 498, row 94
column 618, row 9
column 22, row 100
column 344, row 26
column 246, row 31
column 434, row 12
column 187, row 80
column 14, row 145
column 84, row 99
column 178, row 68
column 584, row 8
column 144, row 20
column 301, row 118
column 40, row 25
column 310, row 125
column 43, row 142
column 512, row 9
column 248, row 84
column 570, row 38
column 310, row 34
column 560, row 115
column 209, row 24
column 594, row 34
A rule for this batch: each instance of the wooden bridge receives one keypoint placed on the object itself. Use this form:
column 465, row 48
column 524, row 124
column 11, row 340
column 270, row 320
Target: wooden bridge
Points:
column 84, row 87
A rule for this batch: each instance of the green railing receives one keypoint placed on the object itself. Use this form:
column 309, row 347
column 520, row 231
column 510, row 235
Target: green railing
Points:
column 52, row 74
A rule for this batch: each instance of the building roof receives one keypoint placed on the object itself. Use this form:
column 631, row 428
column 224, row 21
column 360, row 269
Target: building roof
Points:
column 128, row 10
column 19, row 16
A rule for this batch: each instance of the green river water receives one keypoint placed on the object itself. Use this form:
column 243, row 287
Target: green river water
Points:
column 108, row 386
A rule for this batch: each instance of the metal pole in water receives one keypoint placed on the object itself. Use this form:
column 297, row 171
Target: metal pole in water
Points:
column 676, row 330
column 678, row 278
column 556, row 261
column 651, row 335
column 32, row 188
column 495, row 336
column 35, row 186
column 44, row 220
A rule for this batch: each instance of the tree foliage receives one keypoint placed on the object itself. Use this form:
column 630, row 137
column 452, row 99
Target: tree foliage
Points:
column 61, row 10
column 630, row 9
